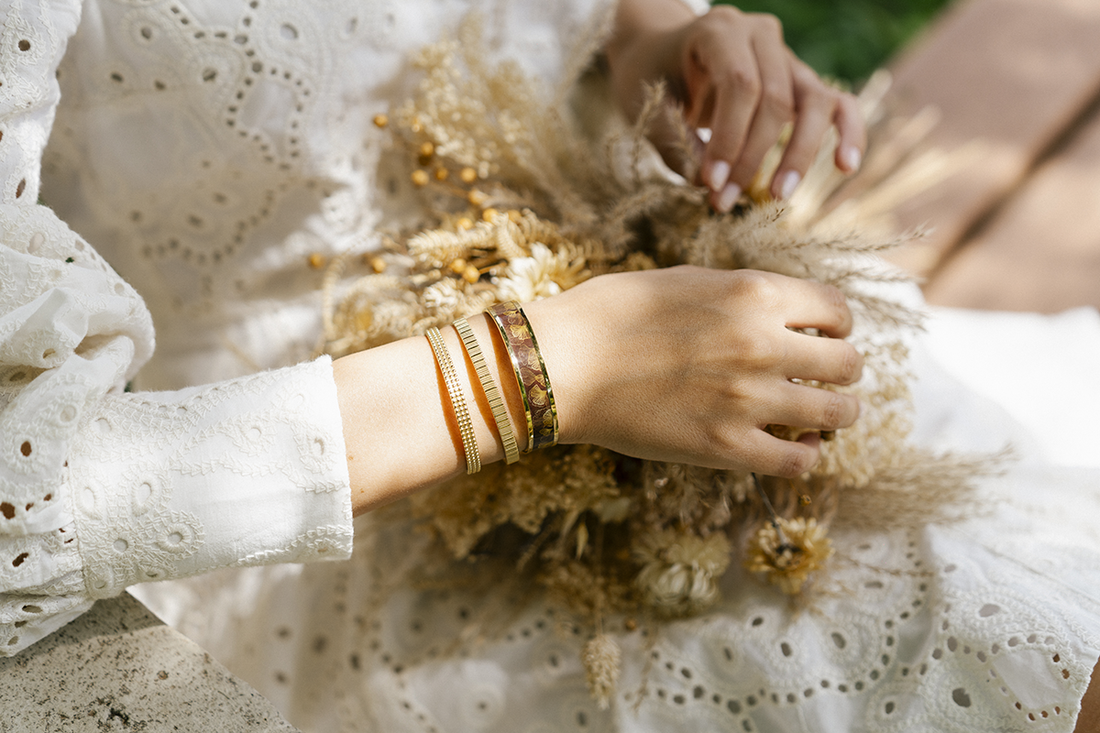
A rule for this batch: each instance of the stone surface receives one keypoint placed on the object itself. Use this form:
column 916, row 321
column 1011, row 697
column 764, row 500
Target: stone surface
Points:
column 118, row 668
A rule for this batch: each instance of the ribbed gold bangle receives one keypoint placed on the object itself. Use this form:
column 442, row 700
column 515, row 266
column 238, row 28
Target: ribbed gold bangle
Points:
column 530, row 370
column 496, row 402
column 458, row 402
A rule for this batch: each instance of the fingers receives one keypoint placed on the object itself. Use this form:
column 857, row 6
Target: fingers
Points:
column 853, row 134
column 809, row 304
column 734, row 75
column 773, row 456
column 776, row 105
column 801, row 406
column 748, row 98
column 823, row 360
column 744, row 84
column 818, row 108
column 724, row 99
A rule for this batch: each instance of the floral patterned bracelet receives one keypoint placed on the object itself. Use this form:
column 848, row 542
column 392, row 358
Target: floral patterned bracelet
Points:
column 534, row 383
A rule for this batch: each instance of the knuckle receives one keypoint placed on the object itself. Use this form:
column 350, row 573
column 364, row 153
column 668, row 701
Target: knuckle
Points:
column 848, row 106
column 760, row 353
column 769, row 23
column 832, row 412
column 838, row 303
column 812, row 99
column 724, row 442
column 795, row 461
column 802, row 71
column 745, row 81
column 734, row 394
column 814, row 91
column 755, row 286
column 777, row 100
column 852, row 365
column 724, row 14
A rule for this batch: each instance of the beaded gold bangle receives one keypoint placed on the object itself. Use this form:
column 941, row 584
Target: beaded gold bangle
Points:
column 458, row 402
column 492, row 394
column 534, row 383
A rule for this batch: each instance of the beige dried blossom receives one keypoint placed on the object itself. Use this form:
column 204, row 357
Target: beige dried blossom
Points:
column 543, row 274
column 790, row 554
column 556, row 482
column 680, row 570
column 602, row 660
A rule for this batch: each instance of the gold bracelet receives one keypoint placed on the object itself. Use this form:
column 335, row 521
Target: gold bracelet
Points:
column 530, row 370
column 458, row 401
column 496, row 402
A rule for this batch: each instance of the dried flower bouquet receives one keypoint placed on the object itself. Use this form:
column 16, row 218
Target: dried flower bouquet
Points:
column 523, row 199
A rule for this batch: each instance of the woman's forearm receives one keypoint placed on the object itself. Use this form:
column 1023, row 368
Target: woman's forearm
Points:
column 400, row 432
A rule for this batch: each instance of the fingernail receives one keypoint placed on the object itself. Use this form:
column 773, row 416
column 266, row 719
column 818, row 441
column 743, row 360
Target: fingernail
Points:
column 788, row 183
column 728, row 198
column 719, row 174
column 851, row 157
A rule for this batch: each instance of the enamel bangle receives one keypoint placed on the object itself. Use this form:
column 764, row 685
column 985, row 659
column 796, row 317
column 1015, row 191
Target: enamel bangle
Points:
column 458, row 402
column 492, row 394
column 530, row 370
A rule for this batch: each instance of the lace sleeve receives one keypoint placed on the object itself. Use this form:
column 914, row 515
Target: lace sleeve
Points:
column 100, row 489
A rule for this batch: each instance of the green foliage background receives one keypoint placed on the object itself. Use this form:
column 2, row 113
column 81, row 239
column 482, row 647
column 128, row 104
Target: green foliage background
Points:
column 846, row 39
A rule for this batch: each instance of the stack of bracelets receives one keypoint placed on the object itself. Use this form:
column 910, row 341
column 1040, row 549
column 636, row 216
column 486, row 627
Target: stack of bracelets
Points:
column 534, row 384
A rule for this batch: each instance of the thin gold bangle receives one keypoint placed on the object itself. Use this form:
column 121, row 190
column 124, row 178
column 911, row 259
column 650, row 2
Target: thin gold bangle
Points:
column 496, row 402
column 458, row 401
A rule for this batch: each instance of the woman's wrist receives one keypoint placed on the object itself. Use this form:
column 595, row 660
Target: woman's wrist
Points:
column 500, row 371
column 400, row 430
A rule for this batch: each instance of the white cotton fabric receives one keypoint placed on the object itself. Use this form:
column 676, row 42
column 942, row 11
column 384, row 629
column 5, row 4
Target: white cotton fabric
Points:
column 100, row 489
column 207, row 149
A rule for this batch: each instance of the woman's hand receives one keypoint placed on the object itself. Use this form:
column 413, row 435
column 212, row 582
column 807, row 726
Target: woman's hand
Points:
column 690, row 365
column 733, row 74
column 684, row 364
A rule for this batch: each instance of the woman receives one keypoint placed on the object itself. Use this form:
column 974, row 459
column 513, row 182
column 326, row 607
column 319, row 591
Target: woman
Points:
column 207, row 152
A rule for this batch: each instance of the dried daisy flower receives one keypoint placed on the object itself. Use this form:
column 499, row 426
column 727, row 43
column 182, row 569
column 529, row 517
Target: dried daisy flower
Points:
column 788, row 551
column 680, row 570
column 601, row 657
column 543, row 274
